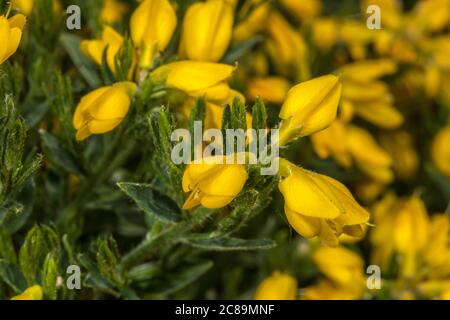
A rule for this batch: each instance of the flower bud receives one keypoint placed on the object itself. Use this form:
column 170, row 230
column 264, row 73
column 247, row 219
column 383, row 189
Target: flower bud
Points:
column 32, row 293
column 303, row 10
column 310, row 107
column 254, row 22
column 10, row 35
column 213, row 183
column 440, row 151
column 287, row 48
column 113, row 11
column 207, row 30
column 279, row 286
column 26, row 6
column 317, row 205
column 111, row 40
column 152, row 26
column 341, row 265
column 196, row 78
column 368, row 155
column 103, row 109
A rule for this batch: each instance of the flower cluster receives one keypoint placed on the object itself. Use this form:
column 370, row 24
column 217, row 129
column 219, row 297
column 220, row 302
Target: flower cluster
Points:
column 361, row 113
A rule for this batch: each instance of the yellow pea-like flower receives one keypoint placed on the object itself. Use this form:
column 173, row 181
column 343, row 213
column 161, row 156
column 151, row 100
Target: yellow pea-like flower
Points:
column 368, row 70
column 341, row 265
column 111, row 41
column 254, row 22
column 437, row 251
column 113, row 11
column 197, row 78
column 32, row 293
column 310, row 107
column 327, row 290
column 213, row 183
column 303, row 10
column 432, row 15
column 368, row 155
column 403, row 228
column 103, row 109
column 270, row 89
column 26, row 6
column 324, row 143
column 152, row 26
column 325, row 33
column 207, row 30
column 287, row 47
column 440, row 151
column 278, row 286
column 10, row 35
column 319, row 206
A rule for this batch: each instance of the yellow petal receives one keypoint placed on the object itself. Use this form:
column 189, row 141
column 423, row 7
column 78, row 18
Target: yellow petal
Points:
column 32, row 293
column 311, row 105
column 307, row 227
column 152, row 26
column 309, row 196
column 17, row 21
column 279, row 286
column 191, row 76
column 207, row 30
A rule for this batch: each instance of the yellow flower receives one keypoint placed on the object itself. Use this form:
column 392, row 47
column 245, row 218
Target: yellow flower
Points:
column 254, row 22
column 440, row 151
column 310, row 107
column 279, row 286
column 213, row 184
column 152, row 26
column 10, row 35
column 26, row 6
column 368, row 155
column 437, row 250
column 357, row 36
column 341, row 265
column 317, row 205
column 103, row 109
column 432, row 81
column 400, row 146
column 287, row 48
column 270, row 89
column 368, row 70
column 111, row 41
column 197, row 78
column 440, row 50
column 326, row 290
column 368, row 97
column 32, row 293
column 113, row 11
column 402, row 227
column 325, row 33
column 207, row 30
column 432, row 15
column 324, row 143
column 369, row 189
column 303, row 10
